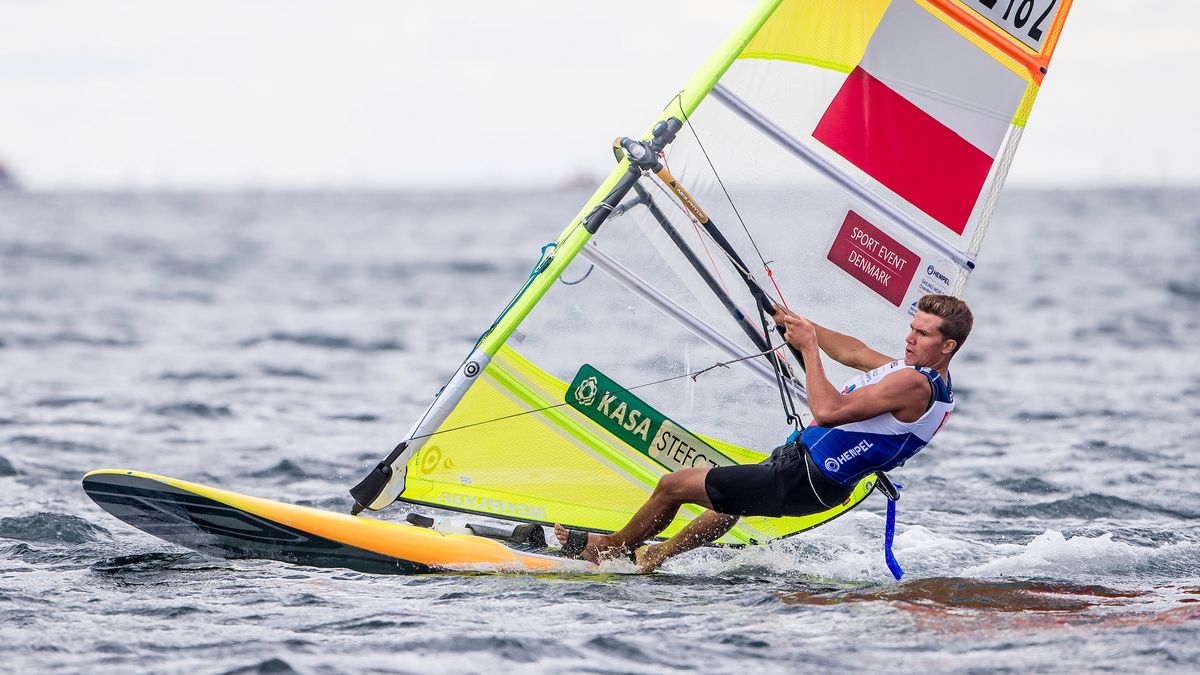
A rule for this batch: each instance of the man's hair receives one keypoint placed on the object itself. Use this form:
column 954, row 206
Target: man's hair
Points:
column 956, row 317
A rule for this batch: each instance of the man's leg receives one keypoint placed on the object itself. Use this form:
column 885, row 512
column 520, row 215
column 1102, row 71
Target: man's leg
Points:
column 673, row 490
column 707, row 528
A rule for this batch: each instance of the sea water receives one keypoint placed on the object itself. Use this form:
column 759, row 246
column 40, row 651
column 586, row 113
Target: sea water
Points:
column 279, row 344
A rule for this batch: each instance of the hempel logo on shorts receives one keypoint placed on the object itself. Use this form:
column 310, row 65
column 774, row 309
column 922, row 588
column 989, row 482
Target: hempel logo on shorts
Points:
column 835, row 463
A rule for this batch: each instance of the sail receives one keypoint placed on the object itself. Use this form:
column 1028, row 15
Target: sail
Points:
column 841, row 157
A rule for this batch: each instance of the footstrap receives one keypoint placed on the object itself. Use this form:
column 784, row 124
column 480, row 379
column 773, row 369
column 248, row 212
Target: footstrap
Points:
column 884, row 484
column 576, row 541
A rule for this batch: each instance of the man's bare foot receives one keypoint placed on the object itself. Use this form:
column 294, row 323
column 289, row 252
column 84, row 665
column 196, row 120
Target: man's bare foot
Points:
column 590, row 552
column 597, row 549
column 648, row 558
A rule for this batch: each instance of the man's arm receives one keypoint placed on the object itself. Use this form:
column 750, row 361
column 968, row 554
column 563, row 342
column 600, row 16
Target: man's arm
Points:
column 846, row 350
column 903, row 393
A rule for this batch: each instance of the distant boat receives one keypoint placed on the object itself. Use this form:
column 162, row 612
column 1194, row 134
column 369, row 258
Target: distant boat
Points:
column 7, row 181
column 580, row 180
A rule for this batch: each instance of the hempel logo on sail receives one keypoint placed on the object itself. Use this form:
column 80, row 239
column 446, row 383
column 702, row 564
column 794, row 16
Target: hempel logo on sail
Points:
column 637, row 424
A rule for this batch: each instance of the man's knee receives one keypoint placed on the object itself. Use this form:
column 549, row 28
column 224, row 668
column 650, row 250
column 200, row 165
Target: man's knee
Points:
column 667, row 487
column 680, row 486
column 723, row 518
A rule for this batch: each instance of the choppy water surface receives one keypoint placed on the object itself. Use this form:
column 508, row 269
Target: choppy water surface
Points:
column 278, row 344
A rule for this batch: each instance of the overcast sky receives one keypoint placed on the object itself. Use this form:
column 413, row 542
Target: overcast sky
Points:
column 304, row 94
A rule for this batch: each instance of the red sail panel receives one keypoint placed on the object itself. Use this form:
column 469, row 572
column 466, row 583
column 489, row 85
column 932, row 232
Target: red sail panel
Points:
column 905, row 148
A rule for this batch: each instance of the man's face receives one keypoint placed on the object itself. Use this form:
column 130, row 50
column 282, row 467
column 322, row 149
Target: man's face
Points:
column 925, row 344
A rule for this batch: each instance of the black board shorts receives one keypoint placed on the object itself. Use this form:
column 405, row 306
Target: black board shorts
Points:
column 787, row 483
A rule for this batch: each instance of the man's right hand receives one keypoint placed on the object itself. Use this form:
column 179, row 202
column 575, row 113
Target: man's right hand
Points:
column 800, row 332
column 846, row 350
column 794, row 325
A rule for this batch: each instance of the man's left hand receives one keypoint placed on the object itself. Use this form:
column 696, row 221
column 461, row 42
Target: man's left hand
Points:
column 781, row 313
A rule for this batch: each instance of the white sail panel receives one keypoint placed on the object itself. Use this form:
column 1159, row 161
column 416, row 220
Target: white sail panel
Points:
column 956, row 83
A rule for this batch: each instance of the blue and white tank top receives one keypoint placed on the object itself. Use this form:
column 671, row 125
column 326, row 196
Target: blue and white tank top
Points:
column 848, row 452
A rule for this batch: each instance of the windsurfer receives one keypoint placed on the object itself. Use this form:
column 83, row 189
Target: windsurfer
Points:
column 874, row 423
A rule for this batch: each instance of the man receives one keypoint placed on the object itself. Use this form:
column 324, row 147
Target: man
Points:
column 875, row 423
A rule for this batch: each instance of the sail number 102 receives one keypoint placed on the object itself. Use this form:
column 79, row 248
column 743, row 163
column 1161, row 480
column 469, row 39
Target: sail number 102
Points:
column 1026, row 20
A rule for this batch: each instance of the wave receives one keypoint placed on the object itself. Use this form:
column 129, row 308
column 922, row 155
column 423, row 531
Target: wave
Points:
column 1031, row 485
column 471, row 267
column 848, row 552
column 178, row 295
column 57, row 444
column 65, row 401
column 27, row 252
column 358, row 625
column 72, row 337
column 355, row 418
column 193, row 409
column 1120, row 452
column 271, row 666
column 326, row 341
column 1038, row 416
column 154, row 563
column 1090, row 506
column 297, row 373
column 51, row 528
column 201, row 375
column 1186, row 290
column 339, row 504
column 1053, row 555
column 283, row 470
column 1137, row 330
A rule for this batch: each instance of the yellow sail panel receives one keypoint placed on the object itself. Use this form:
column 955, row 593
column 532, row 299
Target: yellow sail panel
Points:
column 523, row 467
column 552, row 466
column 824, row 33
column 493, row 456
